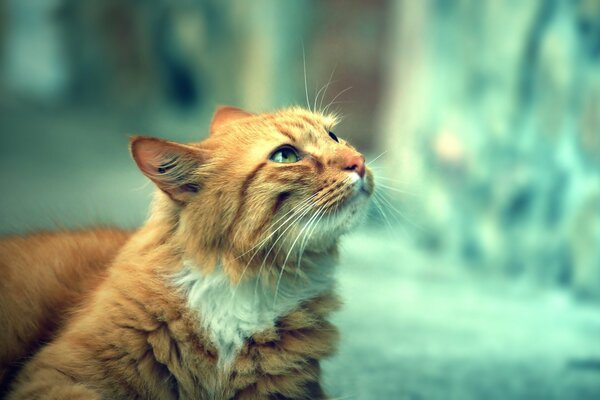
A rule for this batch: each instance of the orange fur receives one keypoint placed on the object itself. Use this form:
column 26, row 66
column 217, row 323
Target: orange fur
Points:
column 218, row 207
column 43, row 276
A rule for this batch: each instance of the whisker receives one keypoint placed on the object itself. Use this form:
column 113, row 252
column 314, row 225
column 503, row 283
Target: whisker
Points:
column 385, row 178
column 295, row 210
column 305, row 78
column 311, row 230
column 322, row 209
column 382, row 212
column 396, row 189
column 373, row 160
column 349, row 396
column 297, row 216
column 329, row 82
column 317, row 92
column 314, row 218
column 296, row 207
column 378, row 200
column 391, row 206
column 335, row 103
column 145, row 185
column 266, row 257
column 308, row 235
column 288, row 254
column 335, row 98
column 301, row 213
column 393, row 212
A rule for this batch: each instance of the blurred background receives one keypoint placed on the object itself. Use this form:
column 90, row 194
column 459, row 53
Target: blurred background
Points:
column 477, row 274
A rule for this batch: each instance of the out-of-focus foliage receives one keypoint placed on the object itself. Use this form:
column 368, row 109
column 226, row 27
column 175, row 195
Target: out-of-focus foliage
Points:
column 488, row 111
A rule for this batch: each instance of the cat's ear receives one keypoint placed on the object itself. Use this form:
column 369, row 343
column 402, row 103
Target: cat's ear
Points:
column 171, row 166
column 225, row 115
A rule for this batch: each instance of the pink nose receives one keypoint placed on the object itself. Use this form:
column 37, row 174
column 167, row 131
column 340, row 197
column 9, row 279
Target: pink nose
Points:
column 355, row 163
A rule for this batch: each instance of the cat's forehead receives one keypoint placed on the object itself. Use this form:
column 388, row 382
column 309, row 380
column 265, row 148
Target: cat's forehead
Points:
column 299, row 114
column 294, row 125
column 302, row 125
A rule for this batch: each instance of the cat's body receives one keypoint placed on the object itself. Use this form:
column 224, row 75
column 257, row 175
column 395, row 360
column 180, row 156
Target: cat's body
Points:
column 225, row 292
column 43, row 276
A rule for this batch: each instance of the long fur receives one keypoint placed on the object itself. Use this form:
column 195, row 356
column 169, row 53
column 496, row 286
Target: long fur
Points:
column 43, row 276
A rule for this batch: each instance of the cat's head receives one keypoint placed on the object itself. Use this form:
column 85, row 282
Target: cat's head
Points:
column 260, row 187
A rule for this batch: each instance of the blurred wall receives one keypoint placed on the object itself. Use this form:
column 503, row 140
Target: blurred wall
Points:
column 494, row 108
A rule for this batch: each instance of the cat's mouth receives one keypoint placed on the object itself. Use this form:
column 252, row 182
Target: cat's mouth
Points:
column 357, row 197
column 362, row 187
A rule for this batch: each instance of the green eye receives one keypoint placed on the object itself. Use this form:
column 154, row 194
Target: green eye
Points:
column 285, row 155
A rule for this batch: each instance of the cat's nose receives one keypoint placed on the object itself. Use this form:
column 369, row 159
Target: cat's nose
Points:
column 355, row 162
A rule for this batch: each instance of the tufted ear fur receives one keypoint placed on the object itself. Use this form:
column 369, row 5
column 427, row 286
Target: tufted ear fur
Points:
column 171, row 166
column 226, row 114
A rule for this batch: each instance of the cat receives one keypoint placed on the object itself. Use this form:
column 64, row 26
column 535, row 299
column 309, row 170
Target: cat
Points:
column 225, row 292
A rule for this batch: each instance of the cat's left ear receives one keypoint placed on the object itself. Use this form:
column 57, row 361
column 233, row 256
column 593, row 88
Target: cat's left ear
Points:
column 171, row 166
column 225, row 115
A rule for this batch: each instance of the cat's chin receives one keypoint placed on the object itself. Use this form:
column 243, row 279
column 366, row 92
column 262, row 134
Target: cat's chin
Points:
column 332, row 226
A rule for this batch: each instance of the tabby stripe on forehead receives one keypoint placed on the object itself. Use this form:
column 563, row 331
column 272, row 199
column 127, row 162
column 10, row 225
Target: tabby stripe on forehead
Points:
column 250, row 177
column 296, row 124
column 284, row 129
column 286, row 133
column 309, row 120
column 293, row 125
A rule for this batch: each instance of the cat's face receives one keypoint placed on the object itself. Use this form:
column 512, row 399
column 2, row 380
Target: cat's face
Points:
column 268, row 185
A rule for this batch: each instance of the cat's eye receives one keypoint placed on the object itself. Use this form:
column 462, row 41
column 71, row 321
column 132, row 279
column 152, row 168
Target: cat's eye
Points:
column 332, row 135
column 286, row 154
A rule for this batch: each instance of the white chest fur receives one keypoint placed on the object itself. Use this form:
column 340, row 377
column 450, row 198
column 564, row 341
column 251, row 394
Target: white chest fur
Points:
column 232, row 313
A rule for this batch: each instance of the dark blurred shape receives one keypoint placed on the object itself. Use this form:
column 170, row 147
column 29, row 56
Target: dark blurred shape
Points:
column 585, row 364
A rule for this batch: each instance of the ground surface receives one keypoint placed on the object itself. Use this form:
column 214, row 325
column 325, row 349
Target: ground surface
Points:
column 412, row 330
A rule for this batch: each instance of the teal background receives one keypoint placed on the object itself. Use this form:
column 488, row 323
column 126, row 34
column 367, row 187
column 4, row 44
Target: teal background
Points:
column 477, row 274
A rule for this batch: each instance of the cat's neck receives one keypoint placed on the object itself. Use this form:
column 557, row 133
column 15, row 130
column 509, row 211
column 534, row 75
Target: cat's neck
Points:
column 231, row 302
column 233, row 312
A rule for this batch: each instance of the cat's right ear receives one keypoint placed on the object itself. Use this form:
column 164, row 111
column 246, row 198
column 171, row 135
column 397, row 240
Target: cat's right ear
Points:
column 171, row 166
column 225, row 115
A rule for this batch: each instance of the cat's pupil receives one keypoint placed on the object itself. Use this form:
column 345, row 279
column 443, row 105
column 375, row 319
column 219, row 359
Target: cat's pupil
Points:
column 285, row 155
column 332, row 135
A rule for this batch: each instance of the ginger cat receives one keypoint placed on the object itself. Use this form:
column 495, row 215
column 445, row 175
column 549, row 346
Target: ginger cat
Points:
column 224, row 293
